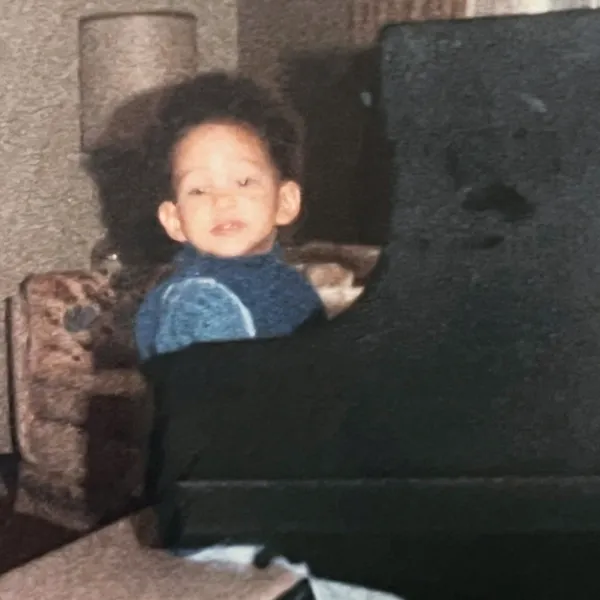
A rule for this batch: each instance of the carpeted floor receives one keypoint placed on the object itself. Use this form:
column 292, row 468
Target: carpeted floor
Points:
column 25, row 538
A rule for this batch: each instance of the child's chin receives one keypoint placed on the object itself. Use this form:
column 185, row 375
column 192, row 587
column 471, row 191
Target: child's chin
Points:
column 234, row 248
column 229, row 250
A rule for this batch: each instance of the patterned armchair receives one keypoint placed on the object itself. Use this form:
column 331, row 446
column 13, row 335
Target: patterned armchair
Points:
column 81, row 407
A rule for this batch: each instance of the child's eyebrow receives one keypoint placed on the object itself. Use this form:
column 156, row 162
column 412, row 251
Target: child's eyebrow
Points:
column 178, row 177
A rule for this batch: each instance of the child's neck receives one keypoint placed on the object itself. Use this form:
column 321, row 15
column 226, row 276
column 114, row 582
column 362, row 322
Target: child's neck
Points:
column 191, row 251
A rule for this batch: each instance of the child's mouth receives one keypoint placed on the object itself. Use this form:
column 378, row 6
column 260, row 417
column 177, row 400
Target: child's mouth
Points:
column 228, row 227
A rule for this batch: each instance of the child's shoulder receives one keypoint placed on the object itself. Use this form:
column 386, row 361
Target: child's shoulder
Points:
column 159, row 287
column 184, row 286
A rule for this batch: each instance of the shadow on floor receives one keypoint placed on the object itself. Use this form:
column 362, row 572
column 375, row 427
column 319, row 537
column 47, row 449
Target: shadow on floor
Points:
column 24, row 538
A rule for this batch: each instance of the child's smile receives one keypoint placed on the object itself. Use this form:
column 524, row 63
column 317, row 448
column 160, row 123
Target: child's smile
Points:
column 230, row 227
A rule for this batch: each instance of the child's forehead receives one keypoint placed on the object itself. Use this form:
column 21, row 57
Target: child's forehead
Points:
column 219, row 144
column 237, row 136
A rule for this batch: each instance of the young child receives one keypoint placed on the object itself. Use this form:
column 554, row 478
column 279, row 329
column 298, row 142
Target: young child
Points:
column 231, row 153
column 228, row 156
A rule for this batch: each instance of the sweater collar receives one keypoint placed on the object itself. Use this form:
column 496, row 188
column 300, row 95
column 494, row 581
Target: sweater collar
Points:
column 189, row 256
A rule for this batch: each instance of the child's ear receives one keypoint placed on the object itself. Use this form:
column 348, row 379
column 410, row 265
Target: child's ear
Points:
column 168, row 215
column 290, row 201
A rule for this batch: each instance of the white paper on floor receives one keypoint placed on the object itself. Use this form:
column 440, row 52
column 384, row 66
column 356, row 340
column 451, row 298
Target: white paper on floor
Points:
column 242, row 557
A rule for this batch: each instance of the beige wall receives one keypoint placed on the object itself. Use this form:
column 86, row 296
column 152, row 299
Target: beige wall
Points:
column 50, row 216
column 271, row 29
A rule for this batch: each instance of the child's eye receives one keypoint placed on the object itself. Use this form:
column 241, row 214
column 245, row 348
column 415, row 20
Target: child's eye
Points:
column 196, row 192
column 246, row 181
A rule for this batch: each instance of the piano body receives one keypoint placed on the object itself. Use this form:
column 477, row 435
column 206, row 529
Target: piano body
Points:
column 461, row 393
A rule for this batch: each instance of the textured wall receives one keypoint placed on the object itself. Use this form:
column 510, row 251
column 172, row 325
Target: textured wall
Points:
column 50, row 217
column 368, row 16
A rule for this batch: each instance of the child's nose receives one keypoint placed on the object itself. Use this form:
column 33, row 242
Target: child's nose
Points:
column 225, row 199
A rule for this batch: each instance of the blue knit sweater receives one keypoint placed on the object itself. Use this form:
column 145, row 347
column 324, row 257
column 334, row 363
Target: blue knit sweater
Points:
column 208, row 299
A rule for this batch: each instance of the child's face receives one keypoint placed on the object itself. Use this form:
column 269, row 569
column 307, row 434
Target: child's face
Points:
column 228, row 197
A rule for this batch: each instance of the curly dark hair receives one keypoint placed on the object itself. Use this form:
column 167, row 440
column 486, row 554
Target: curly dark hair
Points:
column 227, row 98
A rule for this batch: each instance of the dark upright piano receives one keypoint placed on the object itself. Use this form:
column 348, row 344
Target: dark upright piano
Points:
column 461, row 394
